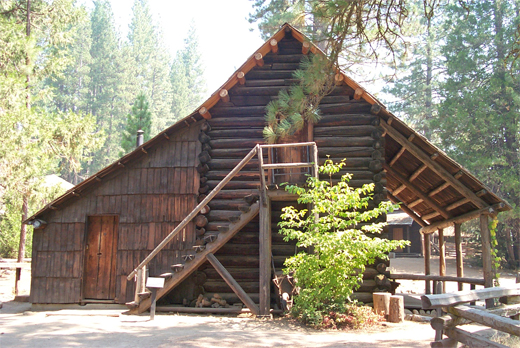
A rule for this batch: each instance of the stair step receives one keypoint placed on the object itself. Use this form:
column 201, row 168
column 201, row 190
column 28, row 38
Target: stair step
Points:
column 188, row 257
column 244, row 208
column 252, row 198
column 199, row 248
column 234, row 219
column 177, row 267
column 210, row 238
column 166, row 276
column 223, row 229
column 144, row 295
column 132, row 305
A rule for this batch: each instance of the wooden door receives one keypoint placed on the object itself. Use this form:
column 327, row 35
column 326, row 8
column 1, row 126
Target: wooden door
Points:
column 398, row 235
column 99, row 281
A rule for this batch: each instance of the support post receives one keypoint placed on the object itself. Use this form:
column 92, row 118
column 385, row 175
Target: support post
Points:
column 154, row 304
column 458, row 254
column 139, row 284
column 487, row 268
column 427, row 249
column 265, row 255
column 442, row 257
column 228, row 278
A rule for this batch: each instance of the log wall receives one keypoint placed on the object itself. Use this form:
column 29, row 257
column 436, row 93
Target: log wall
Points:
column 151, row 195
column 346, row 130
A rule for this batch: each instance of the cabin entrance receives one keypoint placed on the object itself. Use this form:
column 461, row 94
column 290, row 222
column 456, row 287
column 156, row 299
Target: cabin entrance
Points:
column 99, row 281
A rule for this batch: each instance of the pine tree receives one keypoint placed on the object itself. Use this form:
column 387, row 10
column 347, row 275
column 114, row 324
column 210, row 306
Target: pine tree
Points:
column 71, row 85
column 479, row 117
column 138, row 118
column 150, row 69
column 187, row 77
column 33, row 35
column 416, row 94
column 109, row 97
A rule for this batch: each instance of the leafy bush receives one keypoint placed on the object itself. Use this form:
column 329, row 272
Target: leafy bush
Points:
column 338, row 248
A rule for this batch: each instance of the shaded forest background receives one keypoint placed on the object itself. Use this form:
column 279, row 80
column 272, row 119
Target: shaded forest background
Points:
column 73, row 92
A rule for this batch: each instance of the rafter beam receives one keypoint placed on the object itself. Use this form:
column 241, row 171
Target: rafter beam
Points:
column 407, row 210
column 457, row 203
column 414, row 203
column 417, row 172
column 438, row 189
column 417, row 191
column 436, row 167
column 399, row 190
column 462, row 218
column 396, row 157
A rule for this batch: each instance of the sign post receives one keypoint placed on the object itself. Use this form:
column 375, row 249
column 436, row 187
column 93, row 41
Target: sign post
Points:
column 154, row 284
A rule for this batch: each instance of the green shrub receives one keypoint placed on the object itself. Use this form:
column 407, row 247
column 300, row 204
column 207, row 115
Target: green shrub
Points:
column 327, row 276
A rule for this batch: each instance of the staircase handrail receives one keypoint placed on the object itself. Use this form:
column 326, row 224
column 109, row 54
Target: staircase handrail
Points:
column 196, row 210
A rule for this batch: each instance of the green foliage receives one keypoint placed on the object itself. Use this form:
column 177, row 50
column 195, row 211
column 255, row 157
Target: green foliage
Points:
column 36, row 139
column 479, row 117
column 341, row 249
column 138, row 118
column 288, row 114
column 187, row 77
column 150, row 68
column 109, row 93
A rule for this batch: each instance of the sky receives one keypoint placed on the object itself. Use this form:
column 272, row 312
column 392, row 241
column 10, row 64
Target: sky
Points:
column 225, row 39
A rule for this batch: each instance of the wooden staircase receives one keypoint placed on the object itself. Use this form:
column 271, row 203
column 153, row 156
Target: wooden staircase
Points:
column 193, row 261
column 256, row 203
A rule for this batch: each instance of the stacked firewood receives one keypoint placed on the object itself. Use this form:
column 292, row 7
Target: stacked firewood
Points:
column 215, row 302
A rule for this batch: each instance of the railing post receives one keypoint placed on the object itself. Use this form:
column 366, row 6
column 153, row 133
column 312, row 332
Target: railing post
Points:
column 427, row 288
column 140, row 283
column 458, row 249
column 439, row 290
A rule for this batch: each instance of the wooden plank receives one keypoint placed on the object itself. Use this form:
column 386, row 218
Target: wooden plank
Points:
column 407, row 276
column 237, row 289
column 471, row 339
column 451, row 299
column 265, row 256
column 493, row 321
column 436, row 167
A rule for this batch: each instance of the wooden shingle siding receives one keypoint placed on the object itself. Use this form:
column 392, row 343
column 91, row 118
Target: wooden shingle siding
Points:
column 150, row 196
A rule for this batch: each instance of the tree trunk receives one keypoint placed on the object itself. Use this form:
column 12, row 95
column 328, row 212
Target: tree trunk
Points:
column 23, row 228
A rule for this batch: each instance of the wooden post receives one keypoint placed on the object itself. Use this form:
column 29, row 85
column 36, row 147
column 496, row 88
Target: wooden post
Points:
column 265, row 255
column 381, row 303
column 458, row 252
column 237, row 289
column 487, row 268
column 154, row 304
column 442, row 257
column 17, row 280
column 439, row 289
column 396, row 314
column 139, row 284
column 427, row 287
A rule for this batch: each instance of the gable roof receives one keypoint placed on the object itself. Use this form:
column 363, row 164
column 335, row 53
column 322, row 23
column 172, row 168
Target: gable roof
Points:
column 430, row 186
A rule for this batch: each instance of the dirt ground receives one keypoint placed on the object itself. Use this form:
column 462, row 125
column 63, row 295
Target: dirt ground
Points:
column 95, row 326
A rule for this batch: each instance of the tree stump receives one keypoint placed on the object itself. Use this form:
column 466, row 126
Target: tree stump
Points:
column 382, row 303
column 396, row 314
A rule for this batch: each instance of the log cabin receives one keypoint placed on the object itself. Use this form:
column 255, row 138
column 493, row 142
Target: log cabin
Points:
column 191, row 206
column 402, row 227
